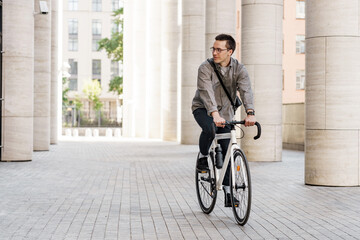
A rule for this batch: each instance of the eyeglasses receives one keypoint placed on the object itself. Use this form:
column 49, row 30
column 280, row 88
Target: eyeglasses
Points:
column 218, row 50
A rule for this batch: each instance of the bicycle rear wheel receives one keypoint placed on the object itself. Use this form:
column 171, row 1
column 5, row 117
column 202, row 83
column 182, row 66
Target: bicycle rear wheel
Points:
column 242, row 189
column 205, row 182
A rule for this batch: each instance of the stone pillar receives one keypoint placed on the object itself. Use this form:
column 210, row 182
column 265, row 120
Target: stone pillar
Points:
column 332, row 93
column 42, row 78
column 170, row 53
column 141, row 119
column 54, row 74
column 18, row 79
column 220, row 18
column 128, row 76
column 153, row 68
column 261, row 52
column 193, row 45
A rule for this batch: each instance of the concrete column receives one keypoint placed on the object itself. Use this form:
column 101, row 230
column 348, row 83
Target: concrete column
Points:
column 18, row 79
column 220, row 18
column 332, row 106
column 261, row 52
column 170, row 53
column 139, row 63
column 42, row 78
column 54, row 74
column 128, row 76
column 153, row 68
column 193, row 54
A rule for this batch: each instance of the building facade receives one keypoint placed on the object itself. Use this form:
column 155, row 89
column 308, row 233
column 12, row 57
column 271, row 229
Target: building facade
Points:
column 293, row 119
column 84, row 24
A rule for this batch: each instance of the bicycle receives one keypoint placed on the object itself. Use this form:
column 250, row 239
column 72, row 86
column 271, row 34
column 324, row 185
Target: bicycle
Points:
column 210, row 181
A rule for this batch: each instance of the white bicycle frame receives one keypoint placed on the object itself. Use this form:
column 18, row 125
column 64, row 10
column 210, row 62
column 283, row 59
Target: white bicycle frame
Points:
column 220, row 173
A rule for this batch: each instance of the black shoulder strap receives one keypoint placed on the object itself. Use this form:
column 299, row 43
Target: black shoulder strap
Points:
column 221, row 81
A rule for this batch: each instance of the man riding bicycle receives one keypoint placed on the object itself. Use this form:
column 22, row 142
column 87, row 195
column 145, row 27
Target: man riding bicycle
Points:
column 212, row 107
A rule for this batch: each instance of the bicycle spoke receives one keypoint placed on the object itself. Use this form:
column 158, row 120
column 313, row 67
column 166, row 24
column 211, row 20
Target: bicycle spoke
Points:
column 242, row 190
column 205, row 188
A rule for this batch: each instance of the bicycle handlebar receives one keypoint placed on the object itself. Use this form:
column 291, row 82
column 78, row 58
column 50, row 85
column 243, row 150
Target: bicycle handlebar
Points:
column 243, row 122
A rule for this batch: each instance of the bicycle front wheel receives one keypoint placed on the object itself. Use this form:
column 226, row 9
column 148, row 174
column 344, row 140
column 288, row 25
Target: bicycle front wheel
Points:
column 205, row 182
column 241, row 190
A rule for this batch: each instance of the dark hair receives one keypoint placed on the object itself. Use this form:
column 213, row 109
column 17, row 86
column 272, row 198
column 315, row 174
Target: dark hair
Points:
column 230, row 42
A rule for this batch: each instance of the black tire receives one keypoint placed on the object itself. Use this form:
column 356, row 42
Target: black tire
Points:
column 242, row 190
column 206, row 186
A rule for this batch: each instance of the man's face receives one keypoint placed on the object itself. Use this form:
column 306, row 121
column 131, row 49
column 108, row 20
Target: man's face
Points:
column 222, row 56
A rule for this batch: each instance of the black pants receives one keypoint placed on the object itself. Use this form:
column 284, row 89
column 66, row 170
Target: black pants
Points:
column 208, row 134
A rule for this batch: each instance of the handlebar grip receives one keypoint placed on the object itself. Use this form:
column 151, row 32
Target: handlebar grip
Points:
column 258, row 131
column 243, row 122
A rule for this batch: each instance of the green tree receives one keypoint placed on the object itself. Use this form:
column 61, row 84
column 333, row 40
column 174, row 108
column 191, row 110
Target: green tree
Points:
column 114, row 45
column 114, row 49
column 78, row 105
column 65, row 91
column 116, row 85
column 65, row 100
column 93, row 90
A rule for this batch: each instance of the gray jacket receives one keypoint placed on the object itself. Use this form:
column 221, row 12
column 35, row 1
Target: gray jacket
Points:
column 211, row 95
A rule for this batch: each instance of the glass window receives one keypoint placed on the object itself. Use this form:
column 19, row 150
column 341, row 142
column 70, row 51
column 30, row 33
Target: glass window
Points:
column 115, row 5
column 95, row 45
column 96, row 27
column 73, row 74
column 114, row 28
column 73, row 26
column 96, row 34
column 300, row 9
column 114, row 69
column 73, row 5
column 96, row 69
column 300, row 44
column 73, row 84
column 73, row 34
column 300, row 79
column 96, row 5
column 73, row 44
column 73, row 67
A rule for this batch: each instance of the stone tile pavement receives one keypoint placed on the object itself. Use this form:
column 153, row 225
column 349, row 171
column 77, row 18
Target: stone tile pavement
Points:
column 137, row 189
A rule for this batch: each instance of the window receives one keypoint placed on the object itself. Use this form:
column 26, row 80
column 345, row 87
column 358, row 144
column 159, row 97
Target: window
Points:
column 114, row 69
column 300, row 44
column 115, row 5
column 96, row 27
column 115, row 28
column 96, row 5
column 96, row 69
column 73, row 74
column 96, row 34
column 300, row 9
column 300, row 79
column 73, row 34
column 73, row 26
column 73, row 5
column 73, row 45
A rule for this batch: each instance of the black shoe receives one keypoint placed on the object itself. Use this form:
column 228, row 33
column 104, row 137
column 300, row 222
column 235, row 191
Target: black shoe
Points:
column 202, row 164
column 227, row 200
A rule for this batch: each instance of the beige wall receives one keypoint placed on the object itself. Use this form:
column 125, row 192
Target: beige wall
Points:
column 293, row 131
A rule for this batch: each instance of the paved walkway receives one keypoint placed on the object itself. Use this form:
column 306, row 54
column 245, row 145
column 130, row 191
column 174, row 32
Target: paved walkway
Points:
column 145, row 190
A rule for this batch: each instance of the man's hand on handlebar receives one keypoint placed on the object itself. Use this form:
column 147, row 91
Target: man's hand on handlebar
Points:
column 219, row 121
column 250, row 120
